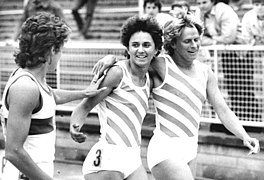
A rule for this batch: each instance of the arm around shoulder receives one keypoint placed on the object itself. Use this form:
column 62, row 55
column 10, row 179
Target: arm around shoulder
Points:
column 111, row 81
column 79, row 114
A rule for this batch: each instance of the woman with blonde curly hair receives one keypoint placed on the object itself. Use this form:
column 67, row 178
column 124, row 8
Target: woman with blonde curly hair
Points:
column 28, row 110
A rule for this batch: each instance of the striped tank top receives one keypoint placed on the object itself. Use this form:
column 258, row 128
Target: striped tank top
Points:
column 179, row 99
column 122, row 112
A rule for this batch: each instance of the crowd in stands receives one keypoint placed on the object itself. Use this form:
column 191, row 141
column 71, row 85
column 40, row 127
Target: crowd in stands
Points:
column 181, row 84
column 128, row 84
column 32, row 7
column 84, row 24
column 224, row 27
column 222, row 24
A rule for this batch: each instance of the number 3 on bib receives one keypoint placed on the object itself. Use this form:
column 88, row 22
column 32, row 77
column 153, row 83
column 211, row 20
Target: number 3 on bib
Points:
column 98, row 156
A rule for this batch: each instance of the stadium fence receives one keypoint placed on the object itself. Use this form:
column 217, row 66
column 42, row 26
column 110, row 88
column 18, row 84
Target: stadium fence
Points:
column 238, row 69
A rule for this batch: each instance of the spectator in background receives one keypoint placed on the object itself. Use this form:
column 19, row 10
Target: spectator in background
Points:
column 237, row 5
column 220, row 21
column 84, row 24
column 153, row 8
column 32, row 7
column 252, row 27
column 180, row 5
column 253, row 24
column 221, row 27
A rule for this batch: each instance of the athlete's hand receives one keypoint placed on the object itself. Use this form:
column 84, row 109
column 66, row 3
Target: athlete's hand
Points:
column 92, row 89
column 76, row 135
column 103, row 64
column 253, row 145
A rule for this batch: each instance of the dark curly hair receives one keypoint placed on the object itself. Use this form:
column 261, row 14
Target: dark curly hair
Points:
column 39, row 34
column 156, row 2
column 141, row 23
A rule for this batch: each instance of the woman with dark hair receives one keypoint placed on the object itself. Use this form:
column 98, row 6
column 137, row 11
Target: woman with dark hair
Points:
column 28, row 110
column 122, row 107
column 220, row 22
column 154, row 8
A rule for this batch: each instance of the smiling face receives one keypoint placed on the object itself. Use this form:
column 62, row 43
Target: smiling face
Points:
column 141, row 49
column 187, row 45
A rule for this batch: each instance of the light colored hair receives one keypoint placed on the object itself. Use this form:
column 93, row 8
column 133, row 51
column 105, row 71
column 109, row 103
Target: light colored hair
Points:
column 174, row 27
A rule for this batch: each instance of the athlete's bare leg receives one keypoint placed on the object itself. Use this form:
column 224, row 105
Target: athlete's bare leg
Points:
column 140, row 173
column 104, row 175
column 172, row 170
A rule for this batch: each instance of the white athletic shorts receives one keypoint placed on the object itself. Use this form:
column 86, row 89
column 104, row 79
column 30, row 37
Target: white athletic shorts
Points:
column 162, row 147
column 111, row 157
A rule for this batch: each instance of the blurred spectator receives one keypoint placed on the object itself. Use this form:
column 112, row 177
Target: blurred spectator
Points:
column 237, row 5
column 183, row 5
column 153, row 8
column 252, row 27
column 253, row 24
column 32, row 7
column 84, row 24
column 221, row 26
column 180, row 5
column 220, row 21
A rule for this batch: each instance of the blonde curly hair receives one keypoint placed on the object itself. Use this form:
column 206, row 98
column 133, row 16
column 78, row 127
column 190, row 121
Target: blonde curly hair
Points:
column 173, row 28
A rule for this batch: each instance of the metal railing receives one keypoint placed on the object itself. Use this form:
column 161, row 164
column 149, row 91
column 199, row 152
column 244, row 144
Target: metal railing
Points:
column 238, row 69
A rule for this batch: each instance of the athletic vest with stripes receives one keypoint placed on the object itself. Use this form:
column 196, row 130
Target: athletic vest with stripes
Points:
column 179, row 99
column 42, row 120
column 122, row 112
